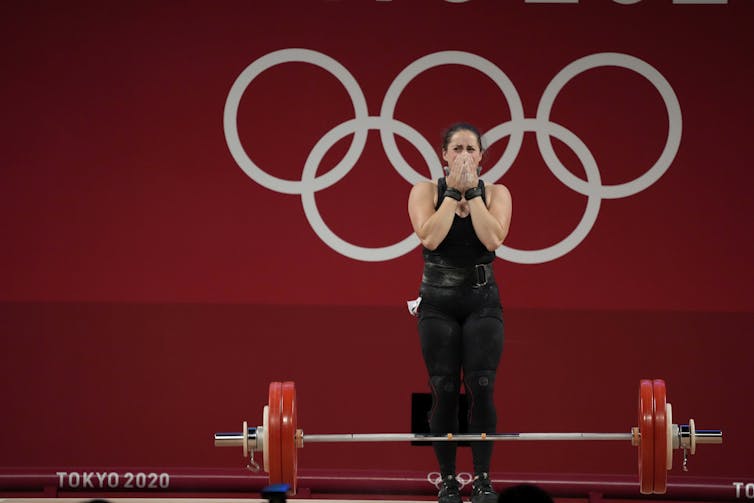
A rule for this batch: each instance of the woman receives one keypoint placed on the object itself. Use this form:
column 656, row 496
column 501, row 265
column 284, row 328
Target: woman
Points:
column 461, row 221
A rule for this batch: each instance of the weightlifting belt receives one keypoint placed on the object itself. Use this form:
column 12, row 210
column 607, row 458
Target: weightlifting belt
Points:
column 448, row 276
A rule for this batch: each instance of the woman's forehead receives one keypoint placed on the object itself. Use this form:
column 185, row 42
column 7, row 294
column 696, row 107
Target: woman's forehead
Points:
column 463, row 137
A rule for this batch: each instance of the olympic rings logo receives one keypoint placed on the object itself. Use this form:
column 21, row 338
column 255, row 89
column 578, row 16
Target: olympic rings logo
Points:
column 515, row 128
column 463, row 479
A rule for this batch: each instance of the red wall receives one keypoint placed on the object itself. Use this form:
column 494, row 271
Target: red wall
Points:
column 150, row 288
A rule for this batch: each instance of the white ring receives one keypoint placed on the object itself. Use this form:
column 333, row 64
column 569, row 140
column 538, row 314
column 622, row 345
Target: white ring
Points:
column 450, row 58
column 592, row 206
column 310, row 205
column 464, row 479
column 245, row 439
column 434, row 478
column 266, row 435
column 230, row 116
column 674, row 123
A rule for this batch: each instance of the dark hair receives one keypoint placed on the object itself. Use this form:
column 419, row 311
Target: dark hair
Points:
column 525, row 493
column 460, row 126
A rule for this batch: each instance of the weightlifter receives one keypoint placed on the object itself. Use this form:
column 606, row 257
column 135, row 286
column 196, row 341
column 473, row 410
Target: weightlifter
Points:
column 461, row 221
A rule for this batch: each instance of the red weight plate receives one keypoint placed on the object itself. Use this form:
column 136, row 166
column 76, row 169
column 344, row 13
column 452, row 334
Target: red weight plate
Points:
column 275, row 404
column 289, row 451
column 660, row 437
column 646, row 442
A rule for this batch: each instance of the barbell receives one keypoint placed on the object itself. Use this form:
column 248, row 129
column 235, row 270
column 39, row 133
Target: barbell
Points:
column 656, row 437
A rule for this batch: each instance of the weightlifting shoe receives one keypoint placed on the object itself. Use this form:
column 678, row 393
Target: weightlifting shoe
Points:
column 450, row 491
column 481, row 490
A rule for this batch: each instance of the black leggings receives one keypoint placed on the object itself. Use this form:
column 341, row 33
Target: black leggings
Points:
column 461, row 330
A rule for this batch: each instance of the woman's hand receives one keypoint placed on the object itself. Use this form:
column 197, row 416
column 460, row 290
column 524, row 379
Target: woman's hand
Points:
column 463, row 173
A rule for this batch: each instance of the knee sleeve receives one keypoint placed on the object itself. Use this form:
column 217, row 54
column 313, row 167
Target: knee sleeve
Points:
column 480, row 391
column 443, row 417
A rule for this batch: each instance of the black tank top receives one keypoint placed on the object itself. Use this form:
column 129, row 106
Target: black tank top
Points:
column 461, row 247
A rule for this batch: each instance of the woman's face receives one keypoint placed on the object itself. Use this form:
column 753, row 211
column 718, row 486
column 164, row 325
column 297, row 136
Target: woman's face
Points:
column 464, row 145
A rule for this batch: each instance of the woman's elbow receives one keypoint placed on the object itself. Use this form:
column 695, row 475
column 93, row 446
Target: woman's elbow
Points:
column 495, row 242
column 429, row 244
column 494, row 245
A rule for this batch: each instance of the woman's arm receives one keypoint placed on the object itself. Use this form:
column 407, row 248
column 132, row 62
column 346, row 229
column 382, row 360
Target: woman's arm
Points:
column 429, row 225
column 491, row 222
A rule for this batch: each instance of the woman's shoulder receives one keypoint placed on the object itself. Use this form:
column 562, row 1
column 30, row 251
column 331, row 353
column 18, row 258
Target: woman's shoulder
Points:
column 425, row 185
column 495, row 186
column 497, row 189
column 423, row 193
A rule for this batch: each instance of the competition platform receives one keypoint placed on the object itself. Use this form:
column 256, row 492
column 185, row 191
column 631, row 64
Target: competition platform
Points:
column 55, row 485
column 270, row 451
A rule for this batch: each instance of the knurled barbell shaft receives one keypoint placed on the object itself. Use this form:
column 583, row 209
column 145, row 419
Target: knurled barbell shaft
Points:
column 461, row 437
column 236, row 439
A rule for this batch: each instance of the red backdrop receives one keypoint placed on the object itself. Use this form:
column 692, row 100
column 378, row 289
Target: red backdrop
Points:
column 151, row 287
